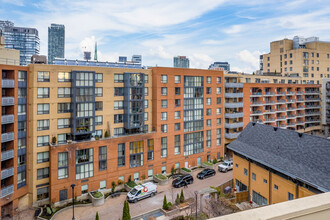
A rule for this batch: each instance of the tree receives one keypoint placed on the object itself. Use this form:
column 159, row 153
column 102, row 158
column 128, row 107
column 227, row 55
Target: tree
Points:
column 177, row 200
column 165, row 205
column 215, row 161
column 126, row 213
column 172, row 170
column 106, row 134
column 97, row 216
column 113, row 186
column 181, row 196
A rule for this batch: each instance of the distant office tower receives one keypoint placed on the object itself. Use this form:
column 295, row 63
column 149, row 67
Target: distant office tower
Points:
column 56, row 42
column 137, row 58
column 181, row 62
column 122, row 59
column 26, row 40
column 224, row 65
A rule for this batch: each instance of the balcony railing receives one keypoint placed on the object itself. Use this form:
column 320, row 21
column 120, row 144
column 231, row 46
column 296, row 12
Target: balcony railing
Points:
column 256, row 103
column 300, row 122
column 271, row 111
column 234, row 125
column 300, row 100
column 290, row 93
column 8, row 101
column 267, row 120
column 234, row 85
column 312, row 113
column 312, row 92
column 291, row 109
column 312, row 106
column 269, row 103
column 7, row 119
column 280, row 93
column 233, row 95
column 6, row 155
column 234, row 115
column 7, row 173
column 269, row 93
column 291, row 116
column 290, row 100
column 280, row 118
column 234, row 105
column 291, row 125
column 7, row 191
column 312, row 99
column 256, row 94
column 256, row 113
column 300, row 93
column 7, row 137
column 300, row 115
column 317, row 120
column 8, row 83
column 232, row 135
column 257, row 121
column 281, row 110
column 281, row 101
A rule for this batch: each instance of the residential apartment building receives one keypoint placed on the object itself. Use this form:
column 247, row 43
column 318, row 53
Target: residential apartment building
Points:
column 326, row 106
column 271, row 165
column 8, row 56
column 224, row 65
column 56, row 42
column 26, row 40
column 14, row 118
column 306, row 57
column 181, row 62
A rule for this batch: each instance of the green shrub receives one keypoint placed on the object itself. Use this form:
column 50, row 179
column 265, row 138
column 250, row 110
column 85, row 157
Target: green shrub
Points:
column 169, row 205
column 172, row 170
column 181, row 196
column 131, row 184
column 221, row 158
column 54, row 210
column 177, row 200
column 97, row 194
column 215, row 161
column 54, row 140
column 126, row 213
column 165, row 204
column 106, row 134
column 49, row 211
column 185, row 169
column 97, row 216
column 129, row 178
column 120, row 182
column 208, row 163
column 113, row 186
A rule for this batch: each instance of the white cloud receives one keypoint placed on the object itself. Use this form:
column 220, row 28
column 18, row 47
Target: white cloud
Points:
column 251, row 59
column 14, row 2
column 200, row 61
column 234, row 29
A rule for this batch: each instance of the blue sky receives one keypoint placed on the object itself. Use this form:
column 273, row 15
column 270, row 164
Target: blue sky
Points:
column 236, row 31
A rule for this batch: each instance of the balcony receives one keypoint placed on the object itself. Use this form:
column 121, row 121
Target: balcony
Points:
column 300, row 123
column 281, row 118
column 312, row 92
column 7, row 191
column 7, row 173
column 234, row 105
column 233, row 85
column 290, row 101
column 317, row 120
column 269, row 120
column 290, row 93
column 257, row 121
column 312, row 106
column 300, row 100
column 8, row 83
column 281, row 101
column 291, row 125
column 7, row 137
column 312, row 99
column 312, row 113
column 280, row 94
column 234, row 125
column 6, row 155
column 232, row 135
column 269, row 103
column 291, row 109
column 272, row 111
column 291, row 117
column 269, row 93
column 234, row 115
column 282, row 126
column 281, row 110
column 257, row 103
column 300, row 107
column 300, row 93
column 233, row 95
column 256, row 113
column 8, row 101
column 256, row 94
column 300, row 115
column 7, row 119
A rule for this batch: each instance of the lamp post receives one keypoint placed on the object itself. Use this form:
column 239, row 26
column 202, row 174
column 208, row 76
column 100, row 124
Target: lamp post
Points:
column 72, row 186
column 196, row 193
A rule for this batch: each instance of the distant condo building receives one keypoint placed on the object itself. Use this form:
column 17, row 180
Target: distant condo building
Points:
column 8, row 56
column 181, row 62
column 305, row 57
column 56, row 42
column 26, row 40
column 224, row 65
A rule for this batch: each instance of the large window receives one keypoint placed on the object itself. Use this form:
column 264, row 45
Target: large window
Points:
column 99, row 120
column 43, row 109
column 99, row 77
column 43, row 93
column 21, row 109
column 119, row 91
column 136, row 154
column 43, row 173
column 118, row 105
column 42, row 193
column 84, row 79
column 85, row 109
column 63, row 165
column 21, row 92
column 21, row 126
column 121, row 155
column 43, row 125
column 177, row 115
column 163, row 128
column 177, row 79
column 21, row 143
column 22, row 76
column 163, row 116
column 177, row 144
column 163, row 79
column 164, row 91
column 150, row 149
column 64, row 107
column 63, row 123
column 62, row 138
column 43, row 157
column 163, row 104
column 118, row 118
column 102, row 158
column 43, row 76
column 259, row 199
column 21, row 179
column 163, row 148
column 21, row 160
column 64, row 77
column 64, row 92
column 98, row 92
column 84, row 163
column 119, row 78
column 98, row 106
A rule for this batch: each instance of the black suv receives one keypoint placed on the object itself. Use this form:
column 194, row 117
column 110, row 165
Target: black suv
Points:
column 183, row 181
column 205, row 173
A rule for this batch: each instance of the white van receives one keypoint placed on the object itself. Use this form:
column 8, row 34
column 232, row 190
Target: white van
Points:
column 141, row 192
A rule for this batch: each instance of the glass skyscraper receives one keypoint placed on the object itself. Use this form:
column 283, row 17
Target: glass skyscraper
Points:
column 181, row 62
column 56, row 42
column 26, row 40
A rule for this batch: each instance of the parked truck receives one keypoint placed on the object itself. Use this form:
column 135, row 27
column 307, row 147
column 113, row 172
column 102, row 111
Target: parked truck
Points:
column 141, row 192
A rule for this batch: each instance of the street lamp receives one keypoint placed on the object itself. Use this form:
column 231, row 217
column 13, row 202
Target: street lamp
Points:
column 196, row 193
column 72, row 186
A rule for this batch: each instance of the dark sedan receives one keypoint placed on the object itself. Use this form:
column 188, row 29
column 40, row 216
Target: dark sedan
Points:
column 206, row 173
column 182, row 181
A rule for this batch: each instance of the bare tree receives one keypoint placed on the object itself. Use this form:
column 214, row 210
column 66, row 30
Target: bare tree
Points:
column 218, row 208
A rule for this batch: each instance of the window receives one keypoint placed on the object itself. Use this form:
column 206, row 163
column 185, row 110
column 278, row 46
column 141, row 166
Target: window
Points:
column 63, row 163
column 136, row 176
column 218, row 90
column 177, row 115
column 208, row 122
column 43, row 125
column 177, row 144
column 177, row 166
column 118, row 131
column 208, row 90
column 43, row 93
column 118, row 119
column 218, row 101
column 254, row 176
column 99, row 77
column 163, row 79
column 218, row 80
column 163, row 128
column 177, row 126
column 43, row 76
column 163, row 116
column 290, row 196
column 164, row 91
column 84, row 163
column 102, row 158
column 208, row 111
column 43, row 157
column 42, row 109
column 163, row 148
column 21, row 109
column 98, row 92
column 177, row 102
column 218, row 136
column 218, row 111
column 146, row 116
column 275, row 186
column 163, row 169
column 84, row 189
column 42, row 141
column 136, row 153
column 64, row 107
column 119, row 78
column 64, row 77
column 99, row 120
column 22, row 76
column 43, row 173
column 177, row 90
column 208, row 101
column 21, row 92
column 21, row 179
column 150, row 173
column 63, row 194
column 63, row 123
column 150, row 149
column 208, row 79
column 146, row 78
column 21, row 143
column 98, row 106
column 177, row 79
column 118, row 105
column 146, row 91
column 163, row 104
column 42, row 193
column 146, row 103
column 245, row 172
column 62, row 138
column 121, row 155
column 236, row 165
column 265, row 181
column 103, row 184
column 119, row 91
column 21, row 160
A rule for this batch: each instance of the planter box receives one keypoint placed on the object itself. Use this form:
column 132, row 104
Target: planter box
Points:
column 160, row 181
column 127, row 187
column 183, row 206
column 185, row 172
column 208, row 166
column 171, row 212
column 97, row 201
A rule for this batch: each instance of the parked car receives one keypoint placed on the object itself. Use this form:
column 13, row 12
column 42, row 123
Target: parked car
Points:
column 206, row 173
column 141, row 192
column 225, row 166
column 183, row 181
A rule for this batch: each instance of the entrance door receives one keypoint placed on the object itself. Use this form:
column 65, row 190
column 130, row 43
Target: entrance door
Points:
column 186, row 165
column 199, row 161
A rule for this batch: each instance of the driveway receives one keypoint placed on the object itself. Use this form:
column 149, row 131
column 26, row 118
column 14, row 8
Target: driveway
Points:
column 112, row 209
